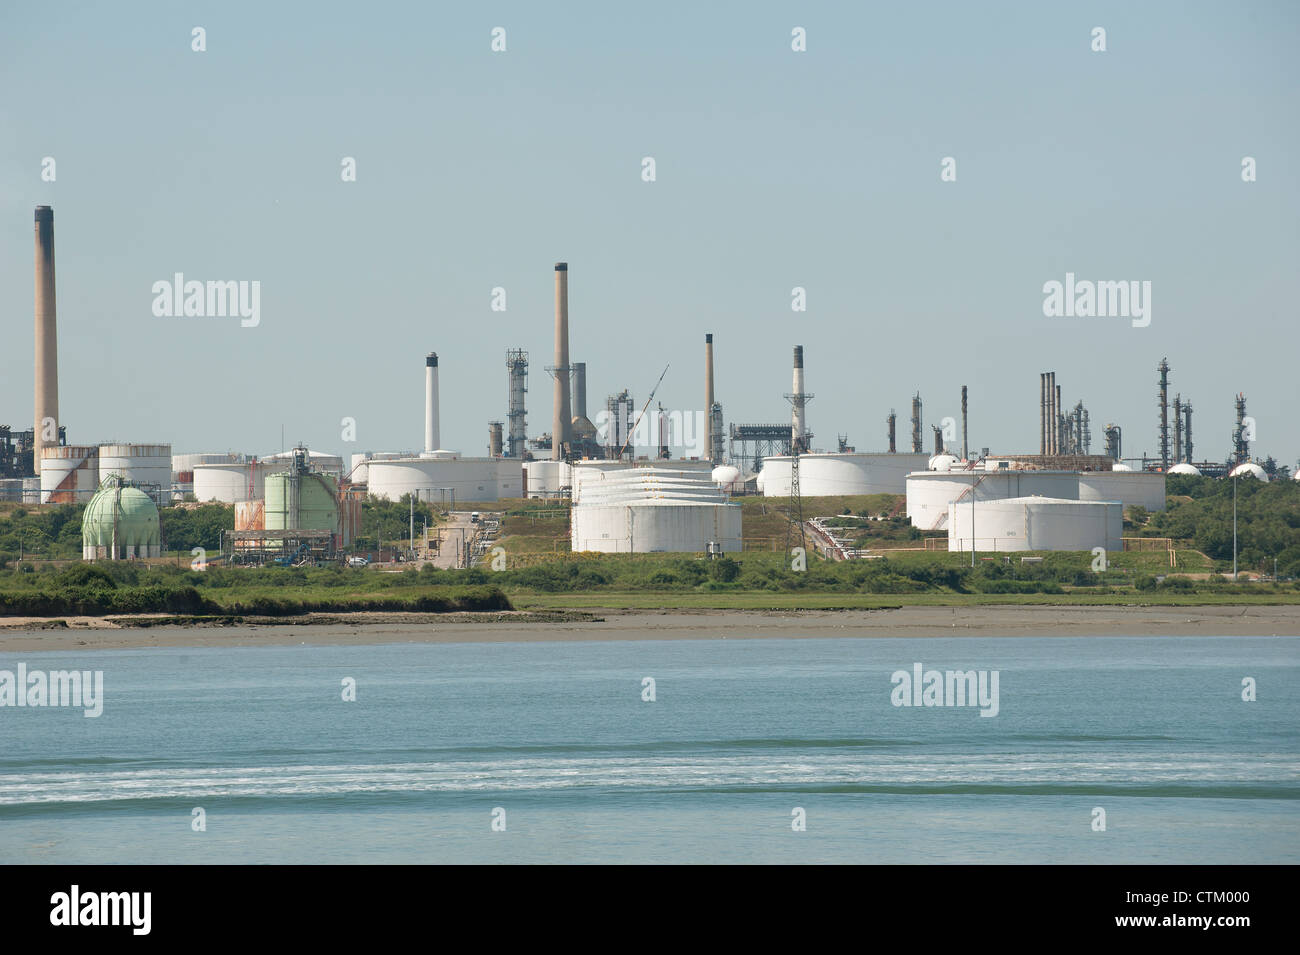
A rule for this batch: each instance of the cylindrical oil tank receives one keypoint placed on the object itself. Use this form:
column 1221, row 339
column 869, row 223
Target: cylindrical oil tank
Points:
column 824, row 475
column 139, row 464
column 930, row 492
column 442, row 478
column 69, row 474
column 301, row 502
column 231, row 483
column 1036, row 523
column 1145, row 488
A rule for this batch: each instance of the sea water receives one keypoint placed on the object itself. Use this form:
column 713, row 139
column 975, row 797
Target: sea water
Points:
column 1103, row 750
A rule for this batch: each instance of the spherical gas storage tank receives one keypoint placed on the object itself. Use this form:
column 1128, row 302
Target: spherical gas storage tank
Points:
column 1249, row 469
column 120, row 522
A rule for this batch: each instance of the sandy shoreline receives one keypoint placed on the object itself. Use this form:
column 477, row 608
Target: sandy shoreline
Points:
column 94, row 634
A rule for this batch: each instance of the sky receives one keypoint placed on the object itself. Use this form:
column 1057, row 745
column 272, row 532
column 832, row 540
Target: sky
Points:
column 775, row 169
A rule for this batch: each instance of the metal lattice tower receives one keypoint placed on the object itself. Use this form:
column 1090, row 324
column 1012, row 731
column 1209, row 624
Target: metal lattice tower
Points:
column 796, row 505
column 1163, row 368
column 916, row 425
column 517, row 429
column 1187, row 431
column 1240, row 445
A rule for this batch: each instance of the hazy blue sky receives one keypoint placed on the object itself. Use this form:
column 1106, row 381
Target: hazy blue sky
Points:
column 775, row 169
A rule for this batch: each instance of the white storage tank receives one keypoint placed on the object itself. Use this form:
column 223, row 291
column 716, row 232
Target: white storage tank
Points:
column 655, row 510
column 69, row 474
column 232, row 483
column 139, row 464
column 1037, row 524
column 930, row 492
column 1130, row 488
column 823, row 475
column 442, row 477
column 547, row 478
column 1249, row 469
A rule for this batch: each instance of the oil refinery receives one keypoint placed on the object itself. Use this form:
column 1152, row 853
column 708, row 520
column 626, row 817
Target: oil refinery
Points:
column 617, row 476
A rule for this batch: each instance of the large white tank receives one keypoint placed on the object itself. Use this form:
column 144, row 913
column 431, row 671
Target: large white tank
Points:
column 437, row 478
column 140, row 464
column 1130, row 488
column 545, row 479
column 1249, row 469
column 594, row 473
column 930, row 492
column 652, row 510
column 823, row 475
column 1035, row 523
column 69, row 474
column 232, row 483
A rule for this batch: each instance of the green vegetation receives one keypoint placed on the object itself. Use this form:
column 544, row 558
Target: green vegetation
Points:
column 540, row 573
column 111, row 587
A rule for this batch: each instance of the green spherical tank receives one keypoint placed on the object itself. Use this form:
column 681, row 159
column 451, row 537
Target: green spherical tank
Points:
column 120, row 522
column 301, row 502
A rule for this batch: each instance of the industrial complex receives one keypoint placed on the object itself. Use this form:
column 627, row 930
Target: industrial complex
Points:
column 623, row 489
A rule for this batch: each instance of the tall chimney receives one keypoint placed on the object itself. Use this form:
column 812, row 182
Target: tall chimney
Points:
column 1187, row 432
column 892, row 420
column 562, row 416
column 797, row 423
column 1051, row 412
column 432, row 440
column 580, row 389
column 709, row 397
column 1056, row 406
column 965, row 447
column 47, row 344
column 1042, row 412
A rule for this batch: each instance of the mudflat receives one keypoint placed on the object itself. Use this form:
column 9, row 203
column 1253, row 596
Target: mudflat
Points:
column 95, row 633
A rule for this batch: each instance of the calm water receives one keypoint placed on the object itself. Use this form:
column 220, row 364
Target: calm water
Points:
column 1153, row 731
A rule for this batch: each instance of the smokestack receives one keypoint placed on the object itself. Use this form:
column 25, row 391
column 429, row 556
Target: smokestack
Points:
column 47, row 345
column 797, row 423
column 892, row 419
column 494, row 439
column 1056, row 442
column 708, row 375
column 965, row 447
column 1187, row 432
column 1042, row 413
column 580, row 389
column 432, row 440
column 562, row 417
